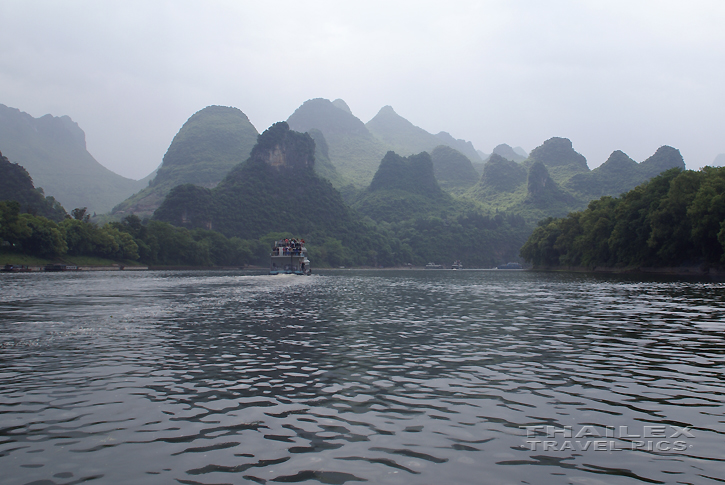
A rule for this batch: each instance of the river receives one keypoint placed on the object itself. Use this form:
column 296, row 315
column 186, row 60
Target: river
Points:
column 391, row 377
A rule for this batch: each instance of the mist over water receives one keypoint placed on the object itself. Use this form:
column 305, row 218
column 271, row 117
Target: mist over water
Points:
column 347, row 376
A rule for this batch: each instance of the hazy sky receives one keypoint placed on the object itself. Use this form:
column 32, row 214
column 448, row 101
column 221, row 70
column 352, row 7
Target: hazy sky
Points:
column 628, row 75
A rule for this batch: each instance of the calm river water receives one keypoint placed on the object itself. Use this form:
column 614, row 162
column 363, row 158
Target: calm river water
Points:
column 394, row 377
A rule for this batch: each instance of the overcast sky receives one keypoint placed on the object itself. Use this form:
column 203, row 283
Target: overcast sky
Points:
column 609, row 75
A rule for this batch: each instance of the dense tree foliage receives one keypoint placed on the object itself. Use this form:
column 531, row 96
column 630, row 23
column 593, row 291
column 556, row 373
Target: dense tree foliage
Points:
column 677, row 218
column 153, row 243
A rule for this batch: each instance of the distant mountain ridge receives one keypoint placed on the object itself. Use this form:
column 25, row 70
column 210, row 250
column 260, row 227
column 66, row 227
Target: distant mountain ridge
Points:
column 356, row 148
column 555, row 179
column 404, row 138
column 53, row 151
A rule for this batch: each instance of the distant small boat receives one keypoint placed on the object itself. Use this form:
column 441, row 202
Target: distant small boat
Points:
column 16, row 268
column 433, row 266
column 457, row 264
column 510, row 266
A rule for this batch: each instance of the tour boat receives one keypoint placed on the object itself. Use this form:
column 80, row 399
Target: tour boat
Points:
column 289, row 256
column 457, row 264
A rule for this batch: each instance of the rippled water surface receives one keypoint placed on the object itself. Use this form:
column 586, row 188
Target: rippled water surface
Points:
column 410, row 377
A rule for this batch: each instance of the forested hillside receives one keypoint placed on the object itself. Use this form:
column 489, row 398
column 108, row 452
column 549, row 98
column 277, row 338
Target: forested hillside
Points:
column 677, row 218
column 356, row 148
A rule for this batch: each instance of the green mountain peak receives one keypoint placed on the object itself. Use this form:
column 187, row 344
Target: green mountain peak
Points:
column 208, row 145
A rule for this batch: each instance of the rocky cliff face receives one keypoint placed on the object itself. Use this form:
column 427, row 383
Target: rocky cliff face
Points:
column 283, row 149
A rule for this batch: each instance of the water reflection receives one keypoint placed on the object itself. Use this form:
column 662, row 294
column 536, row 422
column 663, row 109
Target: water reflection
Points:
column 379, row 376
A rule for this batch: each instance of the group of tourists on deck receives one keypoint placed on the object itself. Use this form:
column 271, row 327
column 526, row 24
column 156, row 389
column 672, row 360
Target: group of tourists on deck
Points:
column 288, row 247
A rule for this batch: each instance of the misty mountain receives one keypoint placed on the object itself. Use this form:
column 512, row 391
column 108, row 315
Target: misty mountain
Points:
column 463, row 146
column 53, row 151
column 545, row 194
column 323, row 165
column 399, row 134
column 500, row 175
column 719, row 161
column 521, row 152
column 453, row 170
column 356, row 148
column 559, row 157
column 509, row 153
column 404, row 138
column 208, row 145
column 17, row 185
column 663, row 159
column 352, row 149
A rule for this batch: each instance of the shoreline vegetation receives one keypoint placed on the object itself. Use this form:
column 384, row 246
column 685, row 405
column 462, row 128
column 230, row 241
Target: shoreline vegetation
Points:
column 673, row 223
